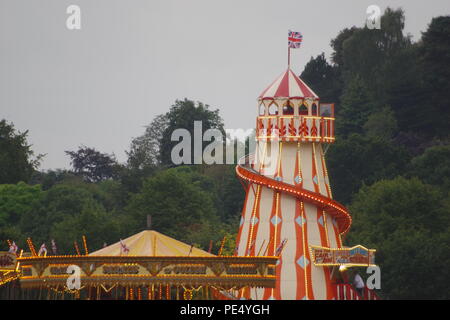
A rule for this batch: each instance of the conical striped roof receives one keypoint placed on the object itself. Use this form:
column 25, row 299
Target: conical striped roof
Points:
column 151, row 243
column 288, row 85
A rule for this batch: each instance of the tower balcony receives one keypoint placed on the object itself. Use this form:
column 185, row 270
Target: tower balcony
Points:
column 295, row 128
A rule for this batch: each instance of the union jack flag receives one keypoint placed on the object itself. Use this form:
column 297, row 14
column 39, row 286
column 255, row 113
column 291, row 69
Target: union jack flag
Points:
column 294, row 39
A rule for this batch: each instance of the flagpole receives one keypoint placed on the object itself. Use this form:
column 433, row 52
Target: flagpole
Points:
column 289, row 57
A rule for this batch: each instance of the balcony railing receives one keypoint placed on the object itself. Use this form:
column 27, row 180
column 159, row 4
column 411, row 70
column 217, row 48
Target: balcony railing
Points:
column 347, row 292
column 295, row 128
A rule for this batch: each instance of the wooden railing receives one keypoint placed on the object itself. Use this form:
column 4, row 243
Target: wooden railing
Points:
column 295, row 128
column 346, row 291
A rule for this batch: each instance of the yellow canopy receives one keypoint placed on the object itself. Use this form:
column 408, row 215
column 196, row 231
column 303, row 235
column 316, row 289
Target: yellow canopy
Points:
column 151, row 243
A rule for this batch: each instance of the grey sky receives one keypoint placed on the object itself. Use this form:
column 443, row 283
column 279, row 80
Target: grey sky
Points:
column 99, row 86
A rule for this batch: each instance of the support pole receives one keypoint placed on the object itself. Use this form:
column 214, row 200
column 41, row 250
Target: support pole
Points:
column 289, row 57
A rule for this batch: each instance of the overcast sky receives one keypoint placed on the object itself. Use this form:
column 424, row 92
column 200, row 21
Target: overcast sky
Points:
column 99, row 86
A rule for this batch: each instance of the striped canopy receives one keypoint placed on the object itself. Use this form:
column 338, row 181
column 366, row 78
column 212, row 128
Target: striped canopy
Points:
column 151, row 243
column 287, row 85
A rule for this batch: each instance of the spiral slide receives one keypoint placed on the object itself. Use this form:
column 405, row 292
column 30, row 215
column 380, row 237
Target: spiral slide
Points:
column 246, row 172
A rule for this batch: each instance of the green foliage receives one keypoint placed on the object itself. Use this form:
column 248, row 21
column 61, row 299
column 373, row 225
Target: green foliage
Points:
column 408, row 222
column 360, row 160
column 435, row 60
column 404, row 91
column 51, row 177
column 228, row 190
column 229, row 245
column 16, row 157
column 356, row 106
column 179, row 204
column 145, row 150
column 365, row 51
column 93, row 165
column 381, row 124
column 64, row 213
column 17, row 203
column 433, row 166
column 182, row 116
column 325, row 77
column 338, row 45
column 98, row 226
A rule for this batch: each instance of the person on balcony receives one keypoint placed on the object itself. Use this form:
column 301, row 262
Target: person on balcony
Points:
column 358, row 283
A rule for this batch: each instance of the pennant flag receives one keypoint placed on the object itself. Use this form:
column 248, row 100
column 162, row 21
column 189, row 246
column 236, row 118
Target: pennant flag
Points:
column 280, row 247
column 13, row 248
column 54, row 248
column 294, row 39
column 123, row 247
column 42, row 249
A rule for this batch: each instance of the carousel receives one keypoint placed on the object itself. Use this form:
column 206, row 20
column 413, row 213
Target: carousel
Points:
column 146, row 266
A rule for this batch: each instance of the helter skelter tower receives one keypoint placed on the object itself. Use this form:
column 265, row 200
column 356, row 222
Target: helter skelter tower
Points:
column 289, row 210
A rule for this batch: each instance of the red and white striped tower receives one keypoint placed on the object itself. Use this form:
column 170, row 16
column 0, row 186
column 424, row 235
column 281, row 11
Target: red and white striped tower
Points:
column 288, row 193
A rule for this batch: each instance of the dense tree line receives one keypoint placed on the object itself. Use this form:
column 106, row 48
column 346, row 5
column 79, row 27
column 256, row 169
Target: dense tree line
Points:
column 391, row 160
column 390, row 165
column 106, row 200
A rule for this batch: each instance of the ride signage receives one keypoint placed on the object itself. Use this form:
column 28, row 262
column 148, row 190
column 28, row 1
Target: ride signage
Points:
column 354, row 256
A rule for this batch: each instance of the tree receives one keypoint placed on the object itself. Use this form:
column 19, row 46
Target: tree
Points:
column 228, row 190
column 93, row 165
column 381, row 124
column 356, row 106
column 323, row 78
column 338, row 44
column 49, row 178
column 435, row 62
column 68, row 211
column 365, row 51
column 16, row 157
column 360, row 160
column 433, row 166
column 179, row 204
column 98, row 226
column 182, row 115
column 17, row 203
column 145, row 149
column 144, row 156
column 408, row 223
column 405, row 93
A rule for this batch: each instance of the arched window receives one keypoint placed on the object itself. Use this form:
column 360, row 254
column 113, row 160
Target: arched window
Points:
column 303, row 110
column 288, row 110
column 273, row 109
column 314, row 110
column 262, row 110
